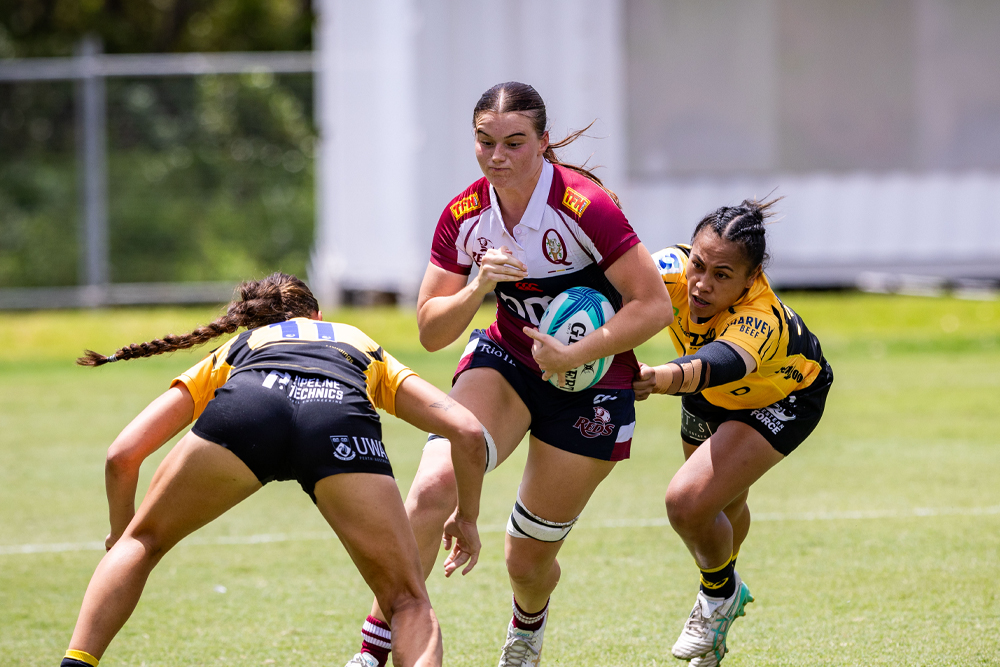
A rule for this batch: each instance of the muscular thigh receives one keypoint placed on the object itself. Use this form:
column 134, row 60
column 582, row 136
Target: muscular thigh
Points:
column 722, row 469
column 488, row 395
column 558, row 484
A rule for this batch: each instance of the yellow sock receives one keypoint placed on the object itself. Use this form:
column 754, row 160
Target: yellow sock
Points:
column 82, row 656
column 719, row 581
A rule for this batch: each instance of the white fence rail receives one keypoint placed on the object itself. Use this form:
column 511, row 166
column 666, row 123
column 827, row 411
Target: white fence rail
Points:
column 88, row 69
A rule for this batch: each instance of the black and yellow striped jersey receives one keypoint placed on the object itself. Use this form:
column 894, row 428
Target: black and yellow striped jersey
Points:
column 306, row 347
column 787, row 354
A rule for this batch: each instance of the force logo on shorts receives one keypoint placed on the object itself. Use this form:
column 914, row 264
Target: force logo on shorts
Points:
column 773, row 416
column 599, row 425
column 347, row 448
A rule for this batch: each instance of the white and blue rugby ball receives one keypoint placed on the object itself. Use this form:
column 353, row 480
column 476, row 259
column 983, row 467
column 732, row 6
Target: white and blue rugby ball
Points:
column 578, row 312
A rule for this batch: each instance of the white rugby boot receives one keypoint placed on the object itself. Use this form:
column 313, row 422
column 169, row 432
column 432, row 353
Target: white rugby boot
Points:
column 523, row 648
column 706, row 628
column 362, row 660
column 712, row 658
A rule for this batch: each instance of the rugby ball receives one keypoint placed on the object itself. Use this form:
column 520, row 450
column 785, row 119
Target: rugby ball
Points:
column 578, row 312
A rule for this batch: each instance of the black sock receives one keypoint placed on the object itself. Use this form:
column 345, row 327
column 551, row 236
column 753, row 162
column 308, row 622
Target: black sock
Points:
column 720, row 582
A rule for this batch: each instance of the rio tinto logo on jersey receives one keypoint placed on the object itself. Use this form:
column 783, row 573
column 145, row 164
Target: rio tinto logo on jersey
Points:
column 554, row 248
column 465, row 205
column 599, row 425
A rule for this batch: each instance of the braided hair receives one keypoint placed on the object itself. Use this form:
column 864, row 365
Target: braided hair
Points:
column 276, row 298
column 743, row 225
column 524, row 99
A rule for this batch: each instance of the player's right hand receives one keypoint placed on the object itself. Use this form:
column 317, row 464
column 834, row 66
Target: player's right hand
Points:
column 499, row 265
column 465, row 535
column 645, row 383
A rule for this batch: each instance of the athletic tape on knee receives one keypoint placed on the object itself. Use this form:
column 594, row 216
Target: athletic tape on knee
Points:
column 491, row 450
column 523, row 523
column 435, row 436
column 491, row 447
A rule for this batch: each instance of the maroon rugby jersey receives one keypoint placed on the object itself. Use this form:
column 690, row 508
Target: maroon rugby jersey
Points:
column 569, row 234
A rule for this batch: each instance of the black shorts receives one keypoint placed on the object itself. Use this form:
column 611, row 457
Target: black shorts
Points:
column 597, row 423
column 784, row 424
column 295, row 427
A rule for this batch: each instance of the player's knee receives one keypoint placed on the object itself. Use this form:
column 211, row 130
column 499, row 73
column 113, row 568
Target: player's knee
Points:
column 684, row 510
column 434, row 492
column 146, row 543
column 526, row 570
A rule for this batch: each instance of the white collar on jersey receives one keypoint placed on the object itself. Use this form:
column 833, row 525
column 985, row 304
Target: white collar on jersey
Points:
column 539, row 198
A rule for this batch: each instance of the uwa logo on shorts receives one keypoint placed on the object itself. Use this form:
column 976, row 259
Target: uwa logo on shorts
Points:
column 346, row 448
column 342, row 447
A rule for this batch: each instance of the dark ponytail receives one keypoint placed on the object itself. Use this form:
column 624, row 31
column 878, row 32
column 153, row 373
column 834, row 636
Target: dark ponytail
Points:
column 743, row 225
column 276, row 298
column 522, row 98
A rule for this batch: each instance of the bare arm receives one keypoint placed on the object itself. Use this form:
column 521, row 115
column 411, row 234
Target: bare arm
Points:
column 446, row 304
column 155, row 425
column 647, row 310
column 429, row 409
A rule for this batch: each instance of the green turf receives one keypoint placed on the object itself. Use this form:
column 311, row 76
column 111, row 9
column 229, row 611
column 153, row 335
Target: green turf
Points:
column 846, row 566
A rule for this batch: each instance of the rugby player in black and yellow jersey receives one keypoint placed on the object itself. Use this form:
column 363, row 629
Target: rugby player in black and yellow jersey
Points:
column 292, row 397
column 753, row 383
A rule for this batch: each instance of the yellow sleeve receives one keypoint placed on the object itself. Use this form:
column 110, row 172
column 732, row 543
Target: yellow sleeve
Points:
column 205, row 377
column 754, row 331
column 384, row 378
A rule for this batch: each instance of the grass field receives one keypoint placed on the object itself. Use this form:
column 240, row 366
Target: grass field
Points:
column 876, row 543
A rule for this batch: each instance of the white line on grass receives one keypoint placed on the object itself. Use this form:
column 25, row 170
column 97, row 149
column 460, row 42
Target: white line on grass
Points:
column 16, row 549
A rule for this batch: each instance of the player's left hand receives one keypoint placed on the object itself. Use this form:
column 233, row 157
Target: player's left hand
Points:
column 465, row 535
column 110, row 540
column 551, row 355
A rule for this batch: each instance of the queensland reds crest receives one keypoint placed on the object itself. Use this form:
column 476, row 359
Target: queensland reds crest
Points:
column 554, row 248
column 484, row 245
column 599, row 425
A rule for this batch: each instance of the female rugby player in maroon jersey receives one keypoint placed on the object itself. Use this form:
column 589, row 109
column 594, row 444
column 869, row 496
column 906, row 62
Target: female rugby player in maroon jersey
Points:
column 534, row 227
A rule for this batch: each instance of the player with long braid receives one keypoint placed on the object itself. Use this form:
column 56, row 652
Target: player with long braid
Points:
column 291, row 397
column 753, row 383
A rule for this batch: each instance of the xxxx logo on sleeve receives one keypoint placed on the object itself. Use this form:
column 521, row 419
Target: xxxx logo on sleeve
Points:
column 465, row 206
column 575, row 202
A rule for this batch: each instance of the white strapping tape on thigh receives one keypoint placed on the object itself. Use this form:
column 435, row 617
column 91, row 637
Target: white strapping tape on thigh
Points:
column 523, row 523
column 491, row 450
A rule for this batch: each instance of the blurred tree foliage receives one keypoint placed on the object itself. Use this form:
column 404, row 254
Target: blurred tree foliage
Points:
column 209, row 178
column 52, row 27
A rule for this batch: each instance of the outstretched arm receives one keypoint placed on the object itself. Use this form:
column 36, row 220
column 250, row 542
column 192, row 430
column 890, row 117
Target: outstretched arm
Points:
column 719, row 362
column 428, row 408
column 155, row 425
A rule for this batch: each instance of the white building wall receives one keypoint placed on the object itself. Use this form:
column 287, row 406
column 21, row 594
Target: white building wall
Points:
column 398, row 80
column 833, row 229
